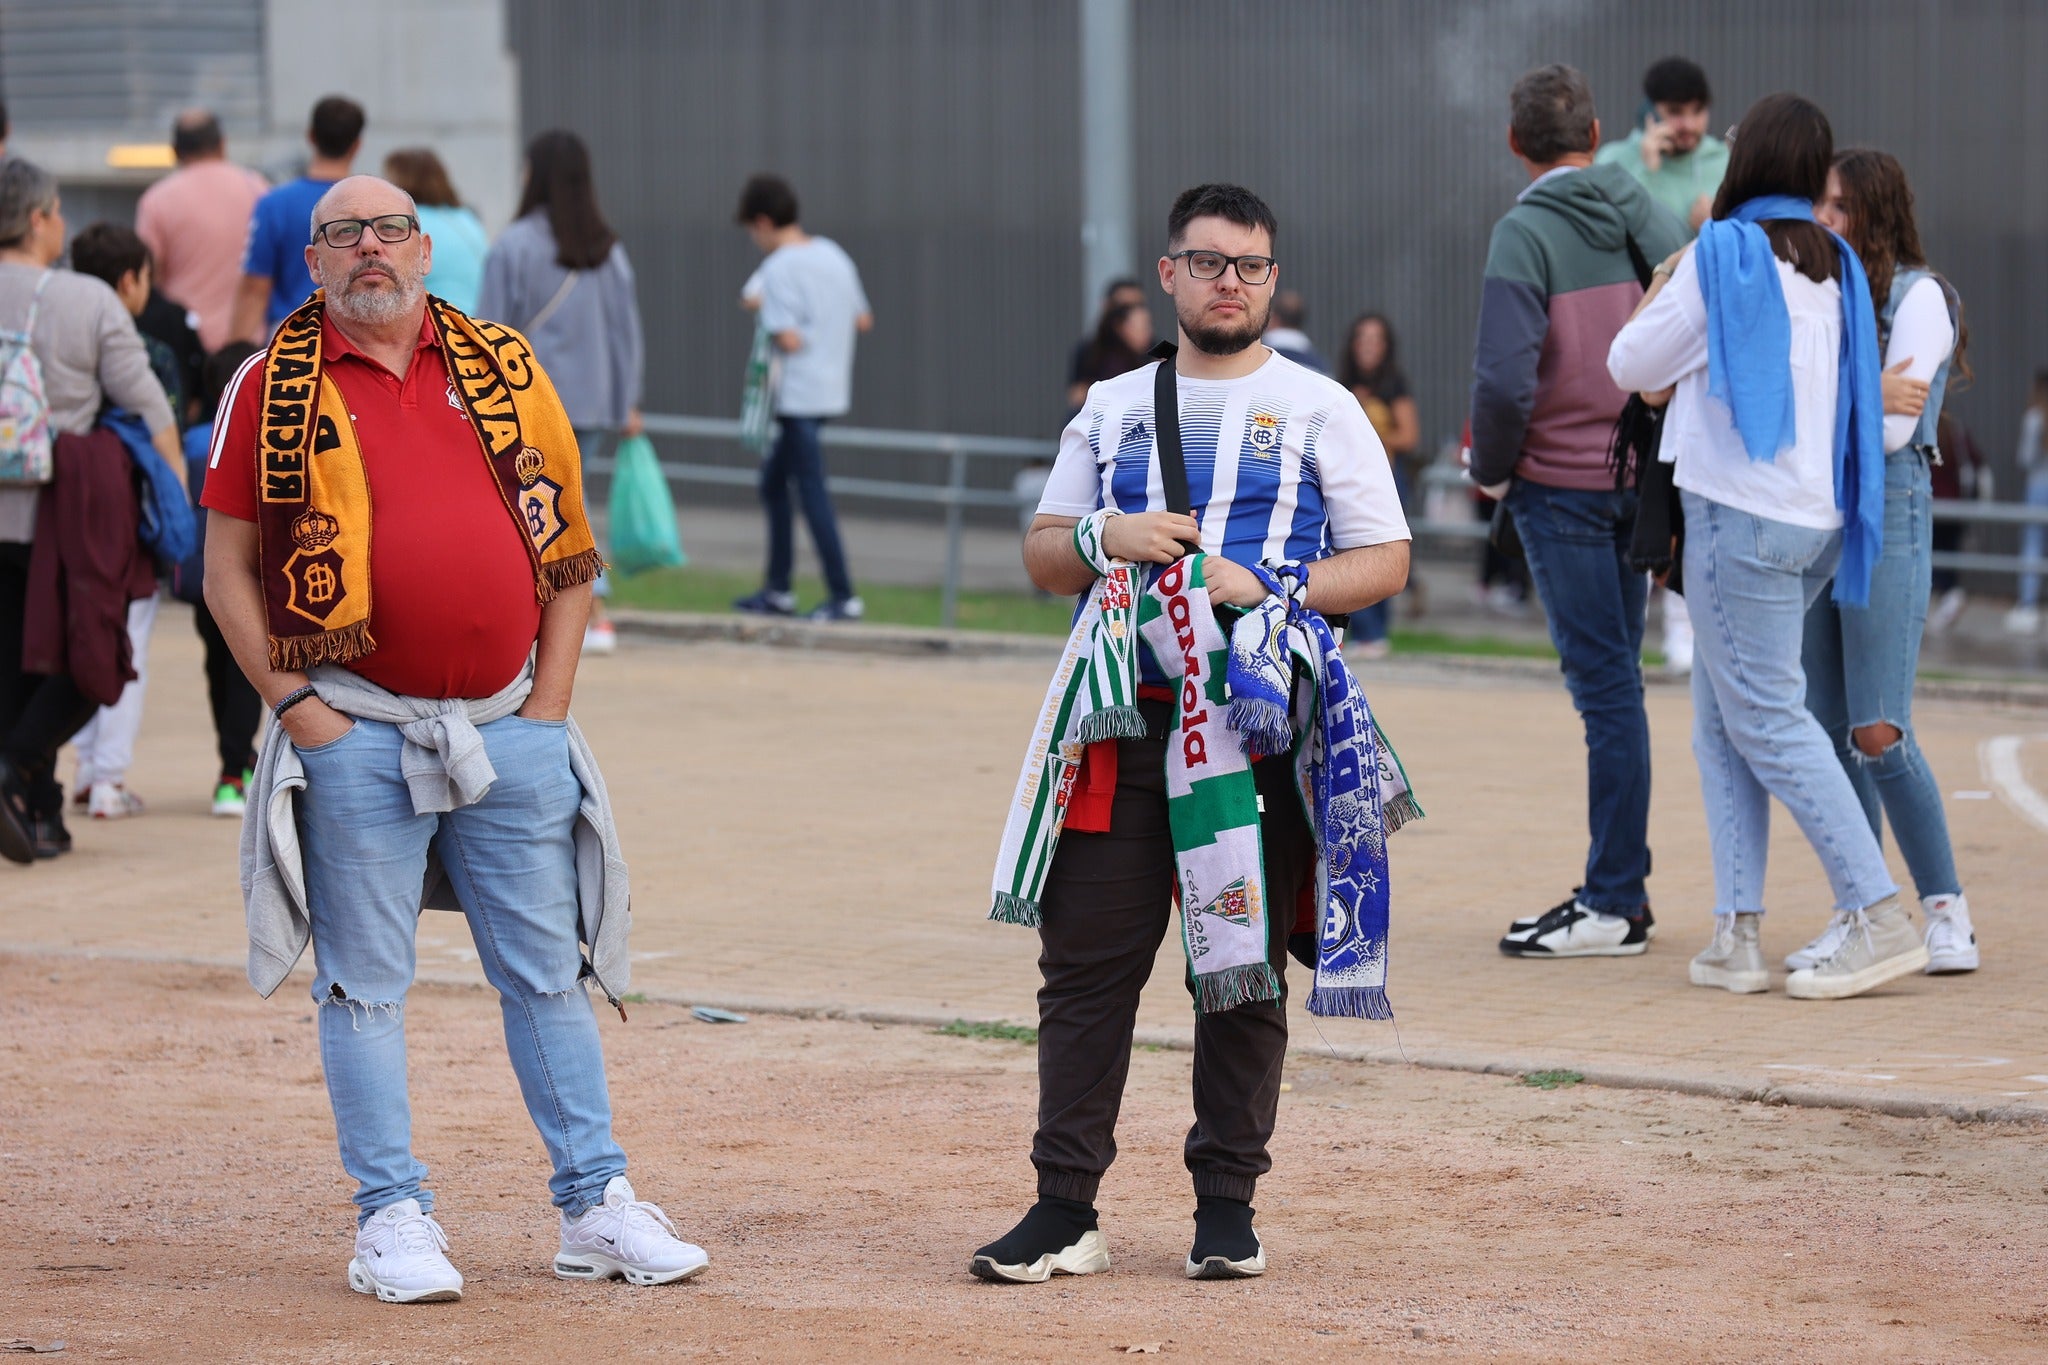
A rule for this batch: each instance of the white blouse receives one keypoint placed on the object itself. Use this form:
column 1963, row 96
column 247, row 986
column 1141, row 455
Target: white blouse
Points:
column 1666, row 344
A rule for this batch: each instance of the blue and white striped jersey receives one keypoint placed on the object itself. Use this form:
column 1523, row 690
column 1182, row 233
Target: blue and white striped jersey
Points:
column 1282, row 463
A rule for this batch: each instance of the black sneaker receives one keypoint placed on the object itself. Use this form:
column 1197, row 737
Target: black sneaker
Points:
column 17, row 836
column 1057, row 1237
column 1523, row 926
column 767, row 602
column 1225, row 1247
column 1569, row 929
column 52, row 839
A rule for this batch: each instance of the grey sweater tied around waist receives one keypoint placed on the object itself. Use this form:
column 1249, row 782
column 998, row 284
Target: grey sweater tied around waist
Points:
column 445, row 767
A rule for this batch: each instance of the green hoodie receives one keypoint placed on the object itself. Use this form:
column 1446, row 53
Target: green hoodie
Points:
column 1559, row 284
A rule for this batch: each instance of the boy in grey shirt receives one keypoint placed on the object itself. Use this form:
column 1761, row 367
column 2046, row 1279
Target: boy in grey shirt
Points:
column 808, row 294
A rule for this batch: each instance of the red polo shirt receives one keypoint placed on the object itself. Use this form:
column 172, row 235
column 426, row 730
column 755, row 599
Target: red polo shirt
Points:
column 451, row 585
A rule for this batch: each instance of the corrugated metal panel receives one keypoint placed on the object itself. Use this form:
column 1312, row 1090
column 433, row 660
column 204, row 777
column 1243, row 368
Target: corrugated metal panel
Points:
column 130, row 65
column 937, row 139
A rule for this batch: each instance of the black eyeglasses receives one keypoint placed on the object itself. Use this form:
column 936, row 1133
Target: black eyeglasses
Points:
column 346, row 232
column 1209, row 265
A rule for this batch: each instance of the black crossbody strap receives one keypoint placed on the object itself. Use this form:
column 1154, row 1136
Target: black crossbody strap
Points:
column 1173, row 465
column 1636, row 259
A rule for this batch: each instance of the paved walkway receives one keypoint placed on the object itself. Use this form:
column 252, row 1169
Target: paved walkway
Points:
column 814, row 831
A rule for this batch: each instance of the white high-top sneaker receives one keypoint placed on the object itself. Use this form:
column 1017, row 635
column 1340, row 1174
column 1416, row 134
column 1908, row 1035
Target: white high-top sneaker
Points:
column 1881, row 945
column 1951, row 939
column 1824, row 944
column 626, row 1237
column 1734, row 961
column 401, row 1257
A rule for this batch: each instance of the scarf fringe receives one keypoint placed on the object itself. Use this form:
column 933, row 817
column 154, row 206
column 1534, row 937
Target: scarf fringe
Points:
column 577, row 569
column 1350, row 1002
column 1233, row 986
column 1399, row 812
column 1011, row 908
column 297, row 653
column 1111, row 722
column 1265, row 725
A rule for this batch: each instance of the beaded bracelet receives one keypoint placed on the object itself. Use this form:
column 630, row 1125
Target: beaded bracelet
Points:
column 289, row 700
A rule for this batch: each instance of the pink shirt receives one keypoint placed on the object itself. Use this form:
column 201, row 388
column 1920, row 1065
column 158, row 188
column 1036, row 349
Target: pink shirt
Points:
column 195, row 222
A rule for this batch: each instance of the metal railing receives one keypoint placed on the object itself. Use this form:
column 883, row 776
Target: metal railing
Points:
column 955, row 496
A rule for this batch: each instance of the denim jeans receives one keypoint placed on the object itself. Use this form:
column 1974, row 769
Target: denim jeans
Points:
column 797, row 457
column 511, row 860
column 2033, row 538
column 1576, row 544
column 1749, row 581
column 1860, row 663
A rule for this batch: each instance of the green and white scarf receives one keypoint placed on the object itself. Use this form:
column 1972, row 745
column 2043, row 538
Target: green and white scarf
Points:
column 1093, row 696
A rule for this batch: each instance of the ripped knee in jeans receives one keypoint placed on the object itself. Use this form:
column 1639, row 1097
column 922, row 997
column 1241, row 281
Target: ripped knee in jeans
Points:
column 1874, row 741
column 358, row 1010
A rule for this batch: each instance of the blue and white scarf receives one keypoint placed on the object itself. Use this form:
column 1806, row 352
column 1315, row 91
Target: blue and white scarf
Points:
column 1351, row 782
column 1749, row 368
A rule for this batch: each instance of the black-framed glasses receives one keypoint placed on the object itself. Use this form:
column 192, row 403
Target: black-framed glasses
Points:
column 1209, row 265
column 346, row 232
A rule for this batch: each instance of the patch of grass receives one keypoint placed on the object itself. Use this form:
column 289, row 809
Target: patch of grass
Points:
column 993, row 1032
column 713, row 590
column 1552, row 1080
column 1485, row 646
column 634, row 998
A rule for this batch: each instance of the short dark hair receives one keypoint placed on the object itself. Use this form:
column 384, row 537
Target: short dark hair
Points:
column 767, row 196
column 196, row 132
column 1289, row 308
column 1551, row 113
column 1675, row 80
column 107, row 251
column 1117, row 285
column 1232, row 203
column 218, row 372
column 336, row 126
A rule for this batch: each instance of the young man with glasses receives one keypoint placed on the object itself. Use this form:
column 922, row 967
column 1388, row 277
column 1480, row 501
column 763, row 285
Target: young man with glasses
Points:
column 420, row 680
column 1281, row 465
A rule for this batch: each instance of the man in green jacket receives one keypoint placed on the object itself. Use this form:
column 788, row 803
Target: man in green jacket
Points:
column 1674, row 156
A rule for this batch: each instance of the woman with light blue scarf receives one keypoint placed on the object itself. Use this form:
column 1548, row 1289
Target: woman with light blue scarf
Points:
column 1762, row 338
column 1860, row 661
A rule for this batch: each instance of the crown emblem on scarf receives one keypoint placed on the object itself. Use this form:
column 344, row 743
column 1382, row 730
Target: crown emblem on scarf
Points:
column 528, row 466
column 313, row 529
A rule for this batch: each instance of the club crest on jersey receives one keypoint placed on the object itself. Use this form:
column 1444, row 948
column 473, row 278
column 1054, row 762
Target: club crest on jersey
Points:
column 1262, row 433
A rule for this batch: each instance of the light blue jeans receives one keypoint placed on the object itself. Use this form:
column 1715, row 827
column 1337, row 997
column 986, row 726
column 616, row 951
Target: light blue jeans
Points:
column 2033, row 538
column 511, row 860
column 1748, row 582
column 1860, row 663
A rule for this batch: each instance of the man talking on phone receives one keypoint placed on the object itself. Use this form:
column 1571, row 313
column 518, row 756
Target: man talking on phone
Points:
column 1679, row 162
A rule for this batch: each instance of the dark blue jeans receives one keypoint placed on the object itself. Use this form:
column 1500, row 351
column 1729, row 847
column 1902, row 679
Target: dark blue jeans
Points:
column 797, row 457
column 1576, row 543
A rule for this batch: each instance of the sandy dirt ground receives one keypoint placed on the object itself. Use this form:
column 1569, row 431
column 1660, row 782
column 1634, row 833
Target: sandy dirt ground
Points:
column 176, row 1197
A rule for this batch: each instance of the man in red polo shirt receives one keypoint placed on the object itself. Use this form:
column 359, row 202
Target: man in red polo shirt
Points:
column 398, row 557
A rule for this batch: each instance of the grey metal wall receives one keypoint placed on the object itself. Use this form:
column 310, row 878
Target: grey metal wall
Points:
column 938, row 141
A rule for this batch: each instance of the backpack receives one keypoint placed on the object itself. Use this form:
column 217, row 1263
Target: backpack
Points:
column 25, row 441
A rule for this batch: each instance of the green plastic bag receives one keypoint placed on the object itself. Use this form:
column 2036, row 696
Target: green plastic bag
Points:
column 643, row 515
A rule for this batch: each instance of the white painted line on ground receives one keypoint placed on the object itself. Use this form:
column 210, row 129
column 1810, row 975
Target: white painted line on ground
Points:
column 1969, row 796
column 2000, row 759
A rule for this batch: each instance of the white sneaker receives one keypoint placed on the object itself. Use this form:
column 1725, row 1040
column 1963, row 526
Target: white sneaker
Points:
column 1824, row 944
column 1677, row 636
column 1948, row 608
column 600, row 637
column 1734, row 961
column 112, row 801
column 2023, row 620
column 401, row 1257
column 627, row 1237
column 1574, row 930
column 1881, row 945
column 1951, row 939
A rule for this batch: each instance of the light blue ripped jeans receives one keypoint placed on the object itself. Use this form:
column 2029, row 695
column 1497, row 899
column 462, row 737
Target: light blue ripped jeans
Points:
column 511, row 860
column 1748, row 583
column 1860, row 664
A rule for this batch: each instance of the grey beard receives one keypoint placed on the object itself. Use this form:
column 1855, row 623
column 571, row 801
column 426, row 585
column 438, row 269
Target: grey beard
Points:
column 375, row 307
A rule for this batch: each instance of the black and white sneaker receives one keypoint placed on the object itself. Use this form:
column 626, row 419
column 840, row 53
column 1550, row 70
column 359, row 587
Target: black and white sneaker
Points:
column 1225, row 1247
column 1057, row 1237
column 1571, row 930
column 1523, row 926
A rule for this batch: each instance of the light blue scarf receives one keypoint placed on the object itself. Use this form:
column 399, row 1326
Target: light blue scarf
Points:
column 1749, row 368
